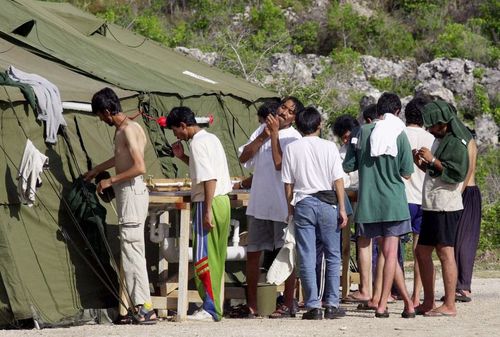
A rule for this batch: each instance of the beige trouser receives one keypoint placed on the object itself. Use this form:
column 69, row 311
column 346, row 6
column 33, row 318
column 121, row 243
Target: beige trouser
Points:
column 132, row 201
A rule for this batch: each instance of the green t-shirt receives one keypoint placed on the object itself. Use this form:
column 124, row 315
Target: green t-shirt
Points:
column 381, row 195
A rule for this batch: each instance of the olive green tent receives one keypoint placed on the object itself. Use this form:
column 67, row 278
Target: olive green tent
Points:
column 166, row 79
column 43, row 275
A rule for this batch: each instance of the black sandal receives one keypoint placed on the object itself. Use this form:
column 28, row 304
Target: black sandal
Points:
column 282, row 312
column 124, row 320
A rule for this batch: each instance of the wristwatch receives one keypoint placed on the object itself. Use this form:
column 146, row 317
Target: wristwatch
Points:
column 432, row 161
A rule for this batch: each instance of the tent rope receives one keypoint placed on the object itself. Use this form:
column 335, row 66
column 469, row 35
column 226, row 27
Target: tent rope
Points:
column 65, row 234
column 114, row 37
column 77, row 225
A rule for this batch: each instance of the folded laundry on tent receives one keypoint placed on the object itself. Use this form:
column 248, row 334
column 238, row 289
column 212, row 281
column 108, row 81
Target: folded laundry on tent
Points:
column 48, row 98
column 29, row 175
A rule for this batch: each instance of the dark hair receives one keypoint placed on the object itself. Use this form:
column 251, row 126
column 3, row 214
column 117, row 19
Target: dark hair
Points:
column 268, row 107
column 308, row 120
column 298, row 104
column 414, row 108
column 180, row 114
column 344, row 123
column 370, row 113
column 388, row 103
column 106, row 99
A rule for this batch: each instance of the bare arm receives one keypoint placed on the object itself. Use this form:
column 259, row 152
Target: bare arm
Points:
column 209, row 187
column 339, row 189
column 418, row 160
column 244, row 184
column 99, row 168
column 178, row 151
column 429, row 159
column 273, row 126
column 289, row 197
column 472, row 152
column 251, row 149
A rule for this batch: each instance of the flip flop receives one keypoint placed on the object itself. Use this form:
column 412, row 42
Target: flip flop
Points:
column 460, row 296
column 438, row 314
column 384, row 314
column 406, row 314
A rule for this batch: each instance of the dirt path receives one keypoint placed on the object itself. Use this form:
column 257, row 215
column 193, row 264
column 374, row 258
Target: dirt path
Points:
column 480, row 317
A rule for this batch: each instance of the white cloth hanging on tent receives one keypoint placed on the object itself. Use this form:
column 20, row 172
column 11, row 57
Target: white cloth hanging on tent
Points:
column 29, row 175
column 383, row 140
column 284, row 263
column 48, row 99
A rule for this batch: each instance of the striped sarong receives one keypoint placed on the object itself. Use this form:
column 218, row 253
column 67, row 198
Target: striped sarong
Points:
column 209, row 254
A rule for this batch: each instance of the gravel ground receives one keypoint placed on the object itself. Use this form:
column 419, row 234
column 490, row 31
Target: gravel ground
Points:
column 478, row 318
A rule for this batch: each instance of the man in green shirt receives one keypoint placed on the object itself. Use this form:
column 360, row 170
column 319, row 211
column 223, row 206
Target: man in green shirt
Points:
column 382, row 155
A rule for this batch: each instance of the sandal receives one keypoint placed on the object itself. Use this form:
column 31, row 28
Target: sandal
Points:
column 146, row 318
column 242, row 311
column 124, row 320
column 282, row 312
column 461, row 296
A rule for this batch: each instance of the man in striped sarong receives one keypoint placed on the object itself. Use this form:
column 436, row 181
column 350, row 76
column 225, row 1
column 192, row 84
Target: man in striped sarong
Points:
column 211, row 182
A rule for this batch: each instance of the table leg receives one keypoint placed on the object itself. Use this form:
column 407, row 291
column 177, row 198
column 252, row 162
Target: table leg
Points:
column 182, row 300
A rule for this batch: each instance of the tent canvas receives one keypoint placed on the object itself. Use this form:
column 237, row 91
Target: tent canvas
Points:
column 41, row 276
column 166, row 78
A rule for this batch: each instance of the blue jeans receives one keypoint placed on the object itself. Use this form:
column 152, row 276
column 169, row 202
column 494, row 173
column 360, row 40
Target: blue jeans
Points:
column 318, row 220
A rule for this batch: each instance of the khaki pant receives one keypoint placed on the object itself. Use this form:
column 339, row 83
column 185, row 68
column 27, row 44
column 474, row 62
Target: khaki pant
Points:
column 132, row 201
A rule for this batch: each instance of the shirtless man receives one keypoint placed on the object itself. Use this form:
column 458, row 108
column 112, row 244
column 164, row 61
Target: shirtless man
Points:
column 132, row 197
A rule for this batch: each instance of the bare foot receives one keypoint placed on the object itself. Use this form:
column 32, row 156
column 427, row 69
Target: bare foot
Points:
column 441, row 311
column 422, row 310
column 356, row 297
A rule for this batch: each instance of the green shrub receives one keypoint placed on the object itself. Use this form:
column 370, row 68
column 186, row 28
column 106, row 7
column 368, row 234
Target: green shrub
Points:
column 120, row 15
column 488, row 181
column 490, row 227
column 379, row 35
column 458, row 40
column 151, row 27
column 478, row 73
column 345, row 56
column 490, row 18
column 346, row 26
column 305, row 38
column 401, row 86
column 270, row 28
column 387, row 37
column 179, row 35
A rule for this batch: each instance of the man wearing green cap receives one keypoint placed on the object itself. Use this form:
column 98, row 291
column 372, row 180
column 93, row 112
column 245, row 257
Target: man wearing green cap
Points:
column 446, row 165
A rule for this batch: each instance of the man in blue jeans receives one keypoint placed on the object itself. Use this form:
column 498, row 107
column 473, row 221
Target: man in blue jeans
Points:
column 311, row 169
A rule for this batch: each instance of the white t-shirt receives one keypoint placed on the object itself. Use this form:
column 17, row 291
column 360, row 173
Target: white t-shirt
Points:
column 351, row 179
column 312, row 164
column 418, row 138
column 438, row 195
column 208, row 161
column 267, row 194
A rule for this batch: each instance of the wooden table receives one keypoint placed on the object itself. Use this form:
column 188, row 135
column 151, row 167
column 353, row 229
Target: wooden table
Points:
column 160, row 202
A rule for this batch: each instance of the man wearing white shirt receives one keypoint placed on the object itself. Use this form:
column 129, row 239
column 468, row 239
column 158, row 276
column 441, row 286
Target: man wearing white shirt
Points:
column 267, row 209
column 418, row 138
column 312, row 165
column 211, row 183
